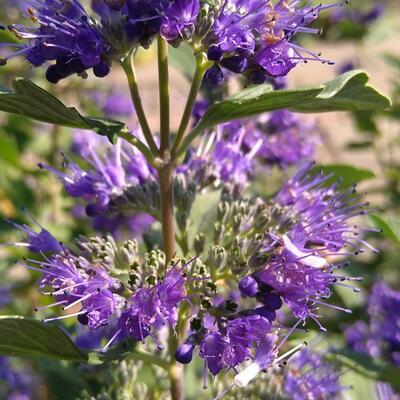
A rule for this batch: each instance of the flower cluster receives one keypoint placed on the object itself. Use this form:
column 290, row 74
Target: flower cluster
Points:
column 309, row 375
column 281, row 252
column 152, row 307
column 110, row 171
column 137, row 306
column 312, row 226
column 16, row 383
column 233, row 152
column 256, row 37
column 306, row 375
column 274, row 253
column 240, row 36
column 380, row 337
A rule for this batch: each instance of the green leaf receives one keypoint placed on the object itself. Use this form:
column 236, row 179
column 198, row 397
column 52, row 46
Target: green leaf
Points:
column 64, row 382
column 387, row 229
column 31, row 101
column 348, row 92
column 367, row 366
column 21, row 336
column 359, row 145
column 348, row 174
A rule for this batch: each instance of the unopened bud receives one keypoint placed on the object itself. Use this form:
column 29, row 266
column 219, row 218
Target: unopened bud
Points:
column 198, row 244
column 216, row 257
column 248, row 286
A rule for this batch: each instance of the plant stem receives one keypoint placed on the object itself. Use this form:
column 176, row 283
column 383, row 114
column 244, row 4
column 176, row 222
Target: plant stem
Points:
column 142, row 147
column 130, row 72
column 201, row 66
column 150, row 359
column 176, row 381
column 166, row 177
column 163, row 81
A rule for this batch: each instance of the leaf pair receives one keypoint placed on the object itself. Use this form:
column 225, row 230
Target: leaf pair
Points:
column 348, row 92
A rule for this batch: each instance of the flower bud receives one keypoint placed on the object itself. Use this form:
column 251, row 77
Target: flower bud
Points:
column 184, row 353
column 182, row 220
column 248, row 286
column 271, row 301
column 198, row 244
column 216, row 257
column 215, row 76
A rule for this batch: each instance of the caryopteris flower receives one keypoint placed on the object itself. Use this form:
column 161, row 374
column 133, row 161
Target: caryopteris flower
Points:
column 17, row 383
column 380, row 336
column 300, row 268
column 36, row 242
column 257, row 37
column 309, row 375
column 254, row 36
column 110, row 171
column 153, row 306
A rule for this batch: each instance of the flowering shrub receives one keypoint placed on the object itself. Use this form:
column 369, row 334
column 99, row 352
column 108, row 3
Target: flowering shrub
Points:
column 176, row 259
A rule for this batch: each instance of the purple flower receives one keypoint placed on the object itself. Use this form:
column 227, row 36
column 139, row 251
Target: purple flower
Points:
column 277, row 60
column 178, row 20
column 112, row 104
column 265, row 357
column 74, row 281
column 386, row 392
column 111, row 170
column 17, row 383
column 363, row 14
column 36, row 242
column 309, row 375
column 65, row 35
column 220, row 158
column 380, row 337
column 231, row 346
column 300, row 269
column 153, row 307
column 258, row 36
column 5, row 295
column 286, row 138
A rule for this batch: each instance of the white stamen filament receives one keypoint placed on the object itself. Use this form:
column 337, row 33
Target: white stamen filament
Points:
column 306, row 258
column 248, row 374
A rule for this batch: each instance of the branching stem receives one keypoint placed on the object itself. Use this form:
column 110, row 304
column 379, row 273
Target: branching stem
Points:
column 130, row 72
column 201, row 66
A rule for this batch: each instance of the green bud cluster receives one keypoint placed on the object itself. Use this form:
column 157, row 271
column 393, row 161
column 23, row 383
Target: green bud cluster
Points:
column 139, row 198
column 120, row 382
column 104, row 250
column 147, row 272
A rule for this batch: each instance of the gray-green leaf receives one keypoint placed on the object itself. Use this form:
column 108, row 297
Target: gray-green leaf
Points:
column 31, row 101
column 367, row 366
column 348, row 92
column 387, row 229
column 21, row 336
column 347, row 174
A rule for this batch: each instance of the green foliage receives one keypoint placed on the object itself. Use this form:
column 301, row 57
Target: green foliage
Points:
column 27, row 337
column 347, row 174
column 348, row 92
column 387, row 227
column 367, row 366
column 64, row 382
column 31, row 101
